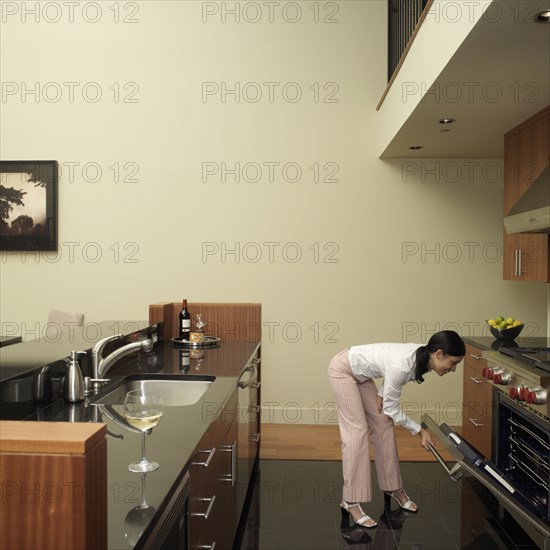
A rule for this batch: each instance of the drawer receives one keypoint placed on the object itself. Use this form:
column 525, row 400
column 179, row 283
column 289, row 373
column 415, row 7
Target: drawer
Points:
column 474, row 359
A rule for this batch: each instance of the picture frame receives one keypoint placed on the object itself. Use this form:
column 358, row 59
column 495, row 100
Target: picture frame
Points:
column 28, row 205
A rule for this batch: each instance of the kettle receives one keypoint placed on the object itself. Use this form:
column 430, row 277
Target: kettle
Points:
column 73, row 389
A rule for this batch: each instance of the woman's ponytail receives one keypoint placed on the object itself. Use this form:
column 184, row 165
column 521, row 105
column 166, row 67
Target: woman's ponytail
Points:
column 446, row 340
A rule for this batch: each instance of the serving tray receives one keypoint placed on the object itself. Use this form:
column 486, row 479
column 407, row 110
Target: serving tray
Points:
column 208, row 342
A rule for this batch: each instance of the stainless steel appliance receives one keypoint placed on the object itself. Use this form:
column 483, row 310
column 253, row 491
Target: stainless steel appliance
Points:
column 519, row 473
column 248, row 441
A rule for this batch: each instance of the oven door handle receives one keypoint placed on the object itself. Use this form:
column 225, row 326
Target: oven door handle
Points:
column 455, row 473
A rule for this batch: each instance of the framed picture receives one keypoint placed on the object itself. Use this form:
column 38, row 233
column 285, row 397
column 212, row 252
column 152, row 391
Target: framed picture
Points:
column 28, row 204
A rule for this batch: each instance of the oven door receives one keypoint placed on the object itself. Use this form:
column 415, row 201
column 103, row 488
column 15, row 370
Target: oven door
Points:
column 510, row 495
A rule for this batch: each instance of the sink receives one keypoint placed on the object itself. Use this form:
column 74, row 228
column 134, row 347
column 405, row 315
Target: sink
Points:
column 177, row 391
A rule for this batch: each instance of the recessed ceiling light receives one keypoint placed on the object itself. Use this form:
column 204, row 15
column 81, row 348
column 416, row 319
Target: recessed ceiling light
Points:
column 447, row 120
column 416, row 147
column 543, row 16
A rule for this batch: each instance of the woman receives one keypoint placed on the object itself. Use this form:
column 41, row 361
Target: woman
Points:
column 362, row 409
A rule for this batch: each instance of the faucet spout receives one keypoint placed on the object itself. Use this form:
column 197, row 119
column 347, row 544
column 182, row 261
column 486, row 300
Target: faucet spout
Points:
column 97, row 352
column 105, row 364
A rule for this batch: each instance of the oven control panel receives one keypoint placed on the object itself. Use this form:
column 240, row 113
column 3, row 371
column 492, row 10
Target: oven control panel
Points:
column 518, row 385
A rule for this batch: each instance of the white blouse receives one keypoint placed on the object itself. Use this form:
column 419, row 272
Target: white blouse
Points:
column 394, row 363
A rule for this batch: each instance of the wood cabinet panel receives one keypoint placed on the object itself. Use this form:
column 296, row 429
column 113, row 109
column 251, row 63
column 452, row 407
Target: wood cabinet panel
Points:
column 477, row 403
column 526, row 257
column 230, row 322
column 212, row 503
column 53, row 499
column 526, row 154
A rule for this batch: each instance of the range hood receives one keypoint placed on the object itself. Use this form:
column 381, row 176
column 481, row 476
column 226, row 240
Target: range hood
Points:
column 531, row 214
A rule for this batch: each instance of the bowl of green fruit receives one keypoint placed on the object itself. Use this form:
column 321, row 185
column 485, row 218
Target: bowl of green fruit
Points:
column 505, row 328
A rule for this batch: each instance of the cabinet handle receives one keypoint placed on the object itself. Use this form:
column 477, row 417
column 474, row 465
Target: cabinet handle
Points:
column 233, row 450
column 208, row 460
column 476, row 424
column 516, row 262
column 208, row 510
column 475, row 356
column 520, row 267
column 255, row 438
column 207, row 546
column 476, row 380
column 244, row 385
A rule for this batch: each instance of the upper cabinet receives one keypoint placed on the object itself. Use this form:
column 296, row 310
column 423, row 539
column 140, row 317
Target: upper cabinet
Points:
column 526, row 154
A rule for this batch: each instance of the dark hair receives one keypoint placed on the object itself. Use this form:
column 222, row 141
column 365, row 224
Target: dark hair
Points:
column 446, row 340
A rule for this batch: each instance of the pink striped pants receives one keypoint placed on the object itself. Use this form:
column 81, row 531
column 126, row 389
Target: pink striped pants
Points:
column 358, row 416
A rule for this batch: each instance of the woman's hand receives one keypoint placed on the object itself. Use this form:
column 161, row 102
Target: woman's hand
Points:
column 425, row 438
column 379, row 402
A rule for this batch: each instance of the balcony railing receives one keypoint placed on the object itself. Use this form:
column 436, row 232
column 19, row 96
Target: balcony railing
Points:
column 403, row 17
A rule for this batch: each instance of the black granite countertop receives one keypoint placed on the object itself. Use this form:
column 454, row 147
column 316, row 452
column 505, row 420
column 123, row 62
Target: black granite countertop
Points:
column 171, row 443
column 25, row 357
column 490, row 343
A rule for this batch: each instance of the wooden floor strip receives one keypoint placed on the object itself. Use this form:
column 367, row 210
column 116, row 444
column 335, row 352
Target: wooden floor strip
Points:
column 322, row 442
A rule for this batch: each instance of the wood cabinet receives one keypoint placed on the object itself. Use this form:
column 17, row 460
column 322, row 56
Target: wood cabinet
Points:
column 213, row 496
column 54, row 485
column 526, row 257
column 526, row 155
column 477, row 403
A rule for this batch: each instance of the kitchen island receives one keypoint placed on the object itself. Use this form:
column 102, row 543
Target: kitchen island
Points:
column 173, row 443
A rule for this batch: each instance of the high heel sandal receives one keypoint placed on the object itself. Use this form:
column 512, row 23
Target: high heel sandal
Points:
column 409, row 505
column 345, row 508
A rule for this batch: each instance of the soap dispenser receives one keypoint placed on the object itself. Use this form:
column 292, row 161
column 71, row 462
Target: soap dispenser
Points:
column 73, row 389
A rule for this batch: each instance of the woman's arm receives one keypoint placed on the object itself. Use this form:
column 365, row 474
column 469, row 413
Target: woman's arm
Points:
column 393, row 385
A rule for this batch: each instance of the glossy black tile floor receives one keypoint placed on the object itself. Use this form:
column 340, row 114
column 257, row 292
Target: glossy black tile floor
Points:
column 295, row 506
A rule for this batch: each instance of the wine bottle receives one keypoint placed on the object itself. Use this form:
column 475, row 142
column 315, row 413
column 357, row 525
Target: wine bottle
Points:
column 185, row 322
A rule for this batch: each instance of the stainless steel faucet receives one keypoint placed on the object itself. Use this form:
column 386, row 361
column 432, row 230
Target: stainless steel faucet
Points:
column 102, row 364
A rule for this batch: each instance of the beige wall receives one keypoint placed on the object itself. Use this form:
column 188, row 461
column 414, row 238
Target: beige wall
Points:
column 365, row 272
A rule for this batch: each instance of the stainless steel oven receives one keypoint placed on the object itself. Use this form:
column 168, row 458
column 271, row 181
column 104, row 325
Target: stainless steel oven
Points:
column 523, row 454
column 519, row 473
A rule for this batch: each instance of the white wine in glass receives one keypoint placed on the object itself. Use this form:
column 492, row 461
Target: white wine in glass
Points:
column 143, row 410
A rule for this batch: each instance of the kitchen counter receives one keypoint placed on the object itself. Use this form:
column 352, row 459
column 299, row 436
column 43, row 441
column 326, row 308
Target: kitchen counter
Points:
column 491, row 343
column 21, row 359
column 171, row 443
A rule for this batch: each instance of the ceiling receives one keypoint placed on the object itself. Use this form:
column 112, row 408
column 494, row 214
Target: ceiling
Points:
column 499, row 77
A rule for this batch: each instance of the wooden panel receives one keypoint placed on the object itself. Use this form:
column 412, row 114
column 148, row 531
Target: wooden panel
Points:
column 526, row 154
column 477, row 402
column 230, row 322
column 50, row 437
column 322, row 442
column 535, row 262
column 54, row 500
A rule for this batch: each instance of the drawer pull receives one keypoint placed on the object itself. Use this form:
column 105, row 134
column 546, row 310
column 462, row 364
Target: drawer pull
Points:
column 206, row 546
column 208, row 510
column 476, row 424
column 208, row 460
column 476, row 380
column 255, row 438
column 475, row 356
column 232, row 477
